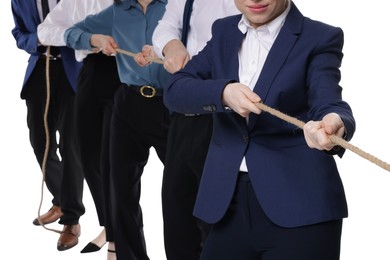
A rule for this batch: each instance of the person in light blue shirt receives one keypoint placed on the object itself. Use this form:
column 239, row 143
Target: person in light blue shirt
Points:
column 130, row 29
column 139, row 120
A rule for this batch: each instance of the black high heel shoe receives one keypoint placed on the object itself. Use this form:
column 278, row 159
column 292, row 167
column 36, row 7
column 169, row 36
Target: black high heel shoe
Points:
column 91, row 247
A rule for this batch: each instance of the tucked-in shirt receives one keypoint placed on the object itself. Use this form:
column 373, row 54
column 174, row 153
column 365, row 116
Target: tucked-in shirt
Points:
column 131, row 29
column 254, row 51
column 204, row 13
column 64, row 15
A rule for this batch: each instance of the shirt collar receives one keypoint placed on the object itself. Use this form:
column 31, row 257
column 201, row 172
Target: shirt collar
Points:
column 135, row 2
column 272, row 28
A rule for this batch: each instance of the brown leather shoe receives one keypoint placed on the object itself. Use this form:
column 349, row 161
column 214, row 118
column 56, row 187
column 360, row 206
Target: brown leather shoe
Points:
column 51, row 216
column 69, row 237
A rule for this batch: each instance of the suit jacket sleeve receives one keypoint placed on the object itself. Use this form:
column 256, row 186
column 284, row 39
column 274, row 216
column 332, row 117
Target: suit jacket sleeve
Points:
column 25, row 33
column 191, row 90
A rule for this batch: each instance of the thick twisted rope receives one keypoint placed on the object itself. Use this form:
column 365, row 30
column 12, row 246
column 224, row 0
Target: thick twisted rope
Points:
column 131, row 54
column 335, row 139
column 47, row 146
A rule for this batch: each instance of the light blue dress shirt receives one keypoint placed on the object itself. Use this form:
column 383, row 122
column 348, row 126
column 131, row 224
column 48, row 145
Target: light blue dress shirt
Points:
column 131, row 29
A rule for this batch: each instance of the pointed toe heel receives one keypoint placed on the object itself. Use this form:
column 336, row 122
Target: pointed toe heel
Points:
column 90, row 247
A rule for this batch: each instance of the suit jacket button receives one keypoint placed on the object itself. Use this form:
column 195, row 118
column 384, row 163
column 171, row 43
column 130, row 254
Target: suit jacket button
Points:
column 245, row 138
column 209, row 108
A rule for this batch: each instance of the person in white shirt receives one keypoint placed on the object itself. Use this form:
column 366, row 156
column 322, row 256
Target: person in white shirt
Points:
column 189, row 134
column 97, row 83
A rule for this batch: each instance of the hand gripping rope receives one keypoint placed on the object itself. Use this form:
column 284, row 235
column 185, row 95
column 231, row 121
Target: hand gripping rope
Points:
column 335, row 139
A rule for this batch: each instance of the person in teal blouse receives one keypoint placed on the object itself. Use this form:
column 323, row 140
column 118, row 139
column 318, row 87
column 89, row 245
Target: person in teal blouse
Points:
column 139, row 120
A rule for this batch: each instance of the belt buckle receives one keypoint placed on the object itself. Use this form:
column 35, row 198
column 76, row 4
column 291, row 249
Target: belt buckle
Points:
column 154, row 92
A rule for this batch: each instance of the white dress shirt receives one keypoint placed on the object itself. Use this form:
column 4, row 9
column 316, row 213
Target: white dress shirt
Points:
column 64, row 15
column 204, row 13
column 254, row 51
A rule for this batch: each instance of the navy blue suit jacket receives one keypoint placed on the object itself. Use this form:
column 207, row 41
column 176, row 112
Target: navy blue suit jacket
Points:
column 295, row 185
column 26, row 17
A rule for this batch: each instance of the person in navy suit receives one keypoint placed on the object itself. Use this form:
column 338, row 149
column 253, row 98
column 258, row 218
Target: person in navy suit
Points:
column 271, row 190
column 63, row 176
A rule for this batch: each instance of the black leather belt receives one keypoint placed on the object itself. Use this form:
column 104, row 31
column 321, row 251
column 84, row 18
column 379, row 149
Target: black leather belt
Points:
column 190, row 115
column 44, row 57
column 146, row 91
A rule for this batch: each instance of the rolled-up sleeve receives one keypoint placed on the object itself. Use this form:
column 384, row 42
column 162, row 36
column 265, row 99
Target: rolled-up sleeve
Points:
column 77, row 39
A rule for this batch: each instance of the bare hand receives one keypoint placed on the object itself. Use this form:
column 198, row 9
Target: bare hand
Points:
column 145, row 57
column 317, row 132
column 104, row 43
column 176, row 56
column 241, row 99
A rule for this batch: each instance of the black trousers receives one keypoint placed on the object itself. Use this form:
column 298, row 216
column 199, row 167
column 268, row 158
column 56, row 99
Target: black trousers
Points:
column 246, row 233
column 188, row 143
column 138, row 123
column 63, row 176
column 97, row 84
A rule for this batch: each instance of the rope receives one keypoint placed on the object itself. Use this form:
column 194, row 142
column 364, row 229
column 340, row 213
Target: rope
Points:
column 46, row 125
column 131, row 54
column 335, row 139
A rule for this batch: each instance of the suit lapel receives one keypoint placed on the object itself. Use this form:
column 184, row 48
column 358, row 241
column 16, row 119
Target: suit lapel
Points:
column 233, row 45
column 277, row 56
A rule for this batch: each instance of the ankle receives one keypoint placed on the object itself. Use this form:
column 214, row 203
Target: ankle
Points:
column 100, row 240
column 111, row 247
column 111, row 254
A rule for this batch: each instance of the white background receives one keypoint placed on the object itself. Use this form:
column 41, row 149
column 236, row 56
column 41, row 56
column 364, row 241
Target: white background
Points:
column 366, row 82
